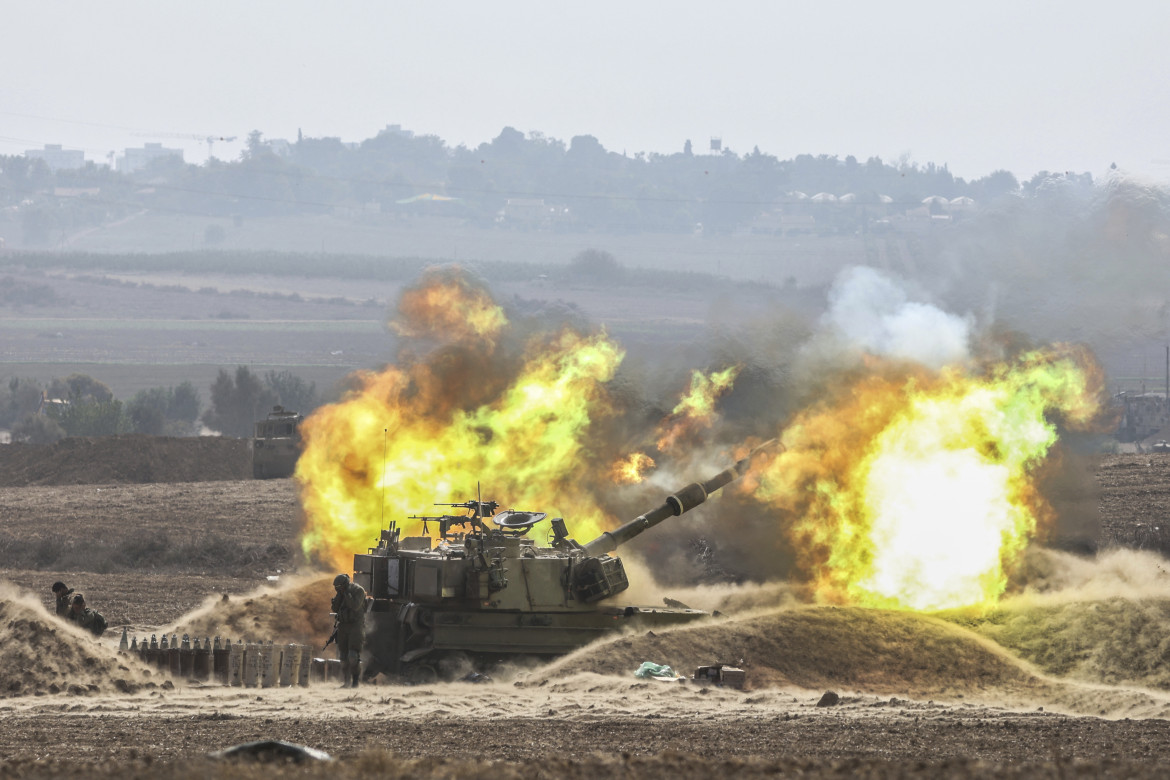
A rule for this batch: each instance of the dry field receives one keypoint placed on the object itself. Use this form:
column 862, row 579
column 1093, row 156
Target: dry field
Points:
column 138, row 331
column 1071, row 682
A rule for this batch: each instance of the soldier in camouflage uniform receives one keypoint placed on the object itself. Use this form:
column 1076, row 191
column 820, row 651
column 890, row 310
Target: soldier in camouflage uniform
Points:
column 85, row 617
column 62, row 594
column 349, row 605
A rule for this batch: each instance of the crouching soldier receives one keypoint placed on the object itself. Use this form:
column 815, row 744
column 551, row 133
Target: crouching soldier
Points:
column 349, row 605
column 85, row 617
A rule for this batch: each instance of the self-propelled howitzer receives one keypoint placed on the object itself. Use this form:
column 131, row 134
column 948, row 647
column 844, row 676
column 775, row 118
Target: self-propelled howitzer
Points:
column 489, row 593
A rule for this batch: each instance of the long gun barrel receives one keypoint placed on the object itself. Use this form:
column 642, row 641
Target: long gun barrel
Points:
column 683, row 500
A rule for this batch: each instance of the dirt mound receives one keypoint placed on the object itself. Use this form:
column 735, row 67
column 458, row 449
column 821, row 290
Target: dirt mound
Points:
column 875, row 651
column 1116, row 642
column 41, row 654
column 1099, row 620
column 294, row 612
column 126, row 459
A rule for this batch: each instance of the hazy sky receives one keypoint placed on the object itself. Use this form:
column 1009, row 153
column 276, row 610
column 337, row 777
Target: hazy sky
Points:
column 980, row 86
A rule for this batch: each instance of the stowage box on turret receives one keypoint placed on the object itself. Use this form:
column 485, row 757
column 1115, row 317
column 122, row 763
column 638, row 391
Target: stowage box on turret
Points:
column 492, row 593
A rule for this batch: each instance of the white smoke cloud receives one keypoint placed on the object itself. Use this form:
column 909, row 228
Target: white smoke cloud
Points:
column 871, row 312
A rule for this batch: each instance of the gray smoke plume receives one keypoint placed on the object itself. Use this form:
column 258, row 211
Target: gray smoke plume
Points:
column 872, row 312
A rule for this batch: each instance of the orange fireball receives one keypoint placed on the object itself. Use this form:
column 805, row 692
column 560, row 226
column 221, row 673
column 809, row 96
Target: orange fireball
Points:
column 453, row 427
column 916, row 489
column 696, row 409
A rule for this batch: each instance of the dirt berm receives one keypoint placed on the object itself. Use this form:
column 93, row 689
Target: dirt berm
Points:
column 134, row 458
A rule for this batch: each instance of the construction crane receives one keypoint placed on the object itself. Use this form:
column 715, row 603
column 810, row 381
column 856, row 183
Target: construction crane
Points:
column 208, row 139
column 211, row 139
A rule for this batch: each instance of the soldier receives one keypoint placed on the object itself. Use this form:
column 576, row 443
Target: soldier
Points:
column 62, row 594
column 85, row 617
column 349, row 606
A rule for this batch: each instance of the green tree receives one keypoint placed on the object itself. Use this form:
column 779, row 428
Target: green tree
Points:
column 595, row 265
column 145, row 417
column 147, row 411
column 37, row 429
column 80, row 388
column 20, row 398
column 164, row 411
column 292, row 392
column 255, row 145
column 994, row 186
column 90, row 418
column 236, row 404
column 184, row 404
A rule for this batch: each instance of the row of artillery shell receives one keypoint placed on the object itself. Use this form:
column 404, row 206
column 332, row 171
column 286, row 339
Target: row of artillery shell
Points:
column 251, row 665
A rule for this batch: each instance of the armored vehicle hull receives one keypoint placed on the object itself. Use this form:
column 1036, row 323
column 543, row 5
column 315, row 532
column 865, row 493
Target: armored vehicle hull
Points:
column 276, row 445
column 494, row 594
column 430, row 605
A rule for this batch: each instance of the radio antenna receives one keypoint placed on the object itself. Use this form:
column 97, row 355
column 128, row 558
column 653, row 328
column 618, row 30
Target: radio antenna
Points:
column 385, row 439
column 479, row 513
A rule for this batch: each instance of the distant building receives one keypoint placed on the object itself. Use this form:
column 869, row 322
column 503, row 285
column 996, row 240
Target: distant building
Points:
column 396, row 130
column 58, row 159
column 1143, row 415
column 136, row 159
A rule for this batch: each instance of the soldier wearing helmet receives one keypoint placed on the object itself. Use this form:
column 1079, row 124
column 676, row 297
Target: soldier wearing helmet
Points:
column 62, row 592
column 89, row 619
column 349, row 608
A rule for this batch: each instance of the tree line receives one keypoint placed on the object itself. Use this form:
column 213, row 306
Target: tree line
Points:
column 579, row 185
column 79, row 405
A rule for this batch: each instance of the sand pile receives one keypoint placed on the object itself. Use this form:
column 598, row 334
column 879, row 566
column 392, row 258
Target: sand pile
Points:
column 40, row 654
column 296, row 611
column 875, row 651
column 1117, row 641
column 1101, row 620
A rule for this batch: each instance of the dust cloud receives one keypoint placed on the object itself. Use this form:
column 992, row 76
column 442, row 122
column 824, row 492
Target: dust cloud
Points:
column 296, row 611
column 42, row 654
column 1103, row 620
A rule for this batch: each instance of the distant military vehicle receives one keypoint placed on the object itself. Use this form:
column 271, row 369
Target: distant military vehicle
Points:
column 277, row 444
column 486, row 594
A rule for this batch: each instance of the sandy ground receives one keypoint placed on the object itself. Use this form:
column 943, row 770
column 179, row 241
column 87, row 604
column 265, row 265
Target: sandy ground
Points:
column 964, row 708
column 1066, row 678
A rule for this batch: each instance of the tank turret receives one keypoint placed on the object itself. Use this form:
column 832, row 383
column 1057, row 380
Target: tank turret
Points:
column 483, row 590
